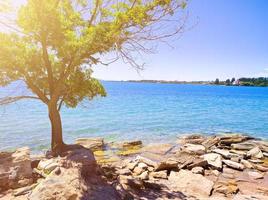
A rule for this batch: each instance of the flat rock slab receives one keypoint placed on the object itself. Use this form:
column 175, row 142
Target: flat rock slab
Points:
column 249, row 197
column 155, row 160
column 243, row 146
column 232, row 138
column 249, row 188
column 225, row 153
column 247, row 164
column 93, row 144
column 160, row 149
column 211, row 141
column 227, row 188
column 147, row 160
column 193, row 184
column 132, row 143
column 192, row 139
column 167, row 164
column 161, row 174
column 234, row 165
column 255, row 175
column 194, row 149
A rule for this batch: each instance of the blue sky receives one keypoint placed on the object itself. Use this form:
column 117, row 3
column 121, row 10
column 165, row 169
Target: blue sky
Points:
column 230, row 39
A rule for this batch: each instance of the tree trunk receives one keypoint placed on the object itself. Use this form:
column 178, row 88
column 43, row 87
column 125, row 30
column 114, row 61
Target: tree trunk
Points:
column 57, row 144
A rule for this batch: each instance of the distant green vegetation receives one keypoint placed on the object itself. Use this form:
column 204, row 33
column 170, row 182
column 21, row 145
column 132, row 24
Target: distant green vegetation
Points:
column 260, row 82
column 227, row 82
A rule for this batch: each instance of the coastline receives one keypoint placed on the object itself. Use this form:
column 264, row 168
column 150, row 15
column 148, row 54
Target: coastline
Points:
column 229, row 166
column 186, row 83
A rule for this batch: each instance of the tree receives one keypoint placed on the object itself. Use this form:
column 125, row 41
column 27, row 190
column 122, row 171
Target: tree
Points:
column 217, row 81
column 228, row 82
column 54, row 44
column 233, row 80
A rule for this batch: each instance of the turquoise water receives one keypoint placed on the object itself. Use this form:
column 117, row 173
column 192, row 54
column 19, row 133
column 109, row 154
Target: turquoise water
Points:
column 147, row 111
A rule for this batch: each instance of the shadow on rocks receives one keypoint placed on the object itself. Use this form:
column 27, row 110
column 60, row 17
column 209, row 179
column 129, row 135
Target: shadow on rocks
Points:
column 77, row 177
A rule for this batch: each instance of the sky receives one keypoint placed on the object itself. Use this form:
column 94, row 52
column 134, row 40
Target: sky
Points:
column 228, row 38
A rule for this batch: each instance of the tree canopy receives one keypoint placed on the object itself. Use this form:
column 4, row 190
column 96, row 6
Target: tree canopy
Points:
column 57, row 42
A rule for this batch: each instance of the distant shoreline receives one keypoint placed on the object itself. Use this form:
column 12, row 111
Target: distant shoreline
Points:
column 172, row 82
column 185, row 82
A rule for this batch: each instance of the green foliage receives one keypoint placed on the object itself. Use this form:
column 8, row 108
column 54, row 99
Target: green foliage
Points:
column 81, row 85
column 228, row 82
column 261, row 81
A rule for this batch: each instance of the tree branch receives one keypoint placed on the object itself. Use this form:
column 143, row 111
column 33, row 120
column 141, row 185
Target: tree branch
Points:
column 36, row 90
column 60, row 104
column 48, row 67
column 94, row 14
column 8, row 100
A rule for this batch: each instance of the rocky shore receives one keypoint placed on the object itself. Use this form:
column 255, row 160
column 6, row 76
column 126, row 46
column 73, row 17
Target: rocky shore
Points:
column 216, row 167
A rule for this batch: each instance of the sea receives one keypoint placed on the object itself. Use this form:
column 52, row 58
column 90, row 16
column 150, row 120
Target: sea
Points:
column 151, row 112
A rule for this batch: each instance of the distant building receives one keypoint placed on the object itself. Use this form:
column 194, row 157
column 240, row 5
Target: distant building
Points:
column 237, row 82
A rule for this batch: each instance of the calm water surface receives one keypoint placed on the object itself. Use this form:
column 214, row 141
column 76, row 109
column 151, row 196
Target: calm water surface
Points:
column 151, row 112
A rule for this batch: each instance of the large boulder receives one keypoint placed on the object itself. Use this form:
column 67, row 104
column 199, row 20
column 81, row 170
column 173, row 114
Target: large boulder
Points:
column 69, row 184
column 15, row 169
column 75, row 178
column 21, row 158
column 193, row 184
